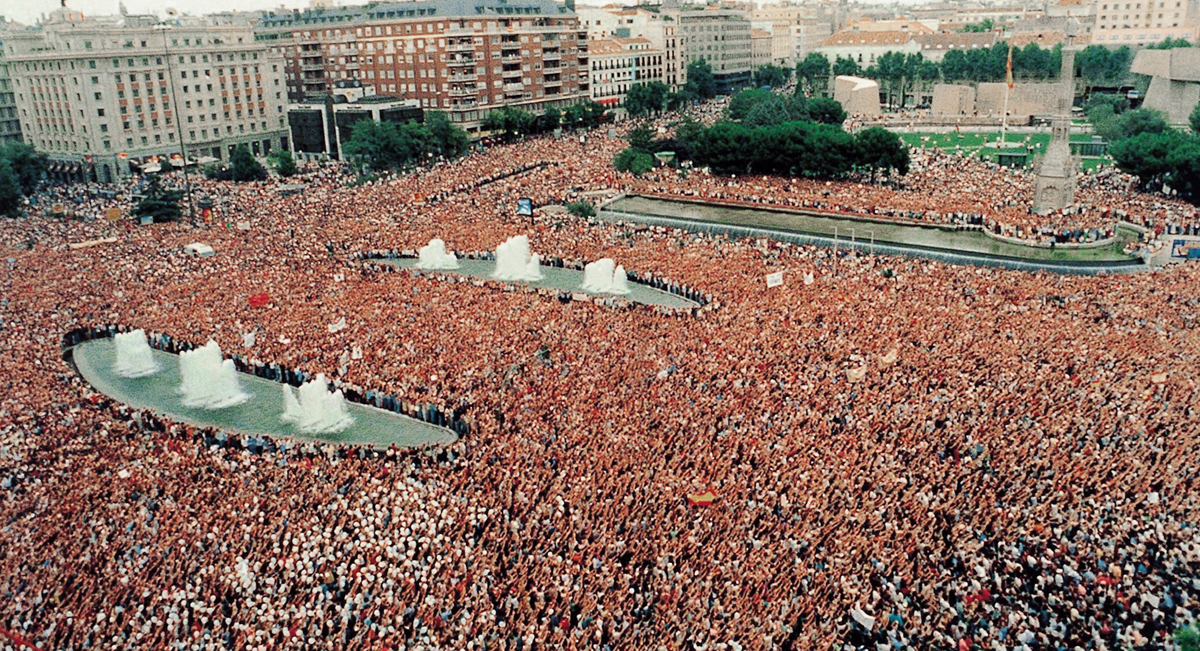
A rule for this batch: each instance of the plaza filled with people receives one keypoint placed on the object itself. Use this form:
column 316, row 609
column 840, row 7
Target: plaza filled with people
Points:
column 898, row 453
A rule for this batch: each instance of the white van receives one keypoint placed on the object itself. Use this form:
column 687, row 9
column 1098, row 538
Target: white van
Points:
column 199, row 250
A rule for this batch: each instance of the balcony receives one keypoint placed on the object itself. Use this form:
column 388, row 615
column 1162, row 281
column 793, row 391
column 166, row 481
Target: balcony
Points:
column 511, row 58
column 514, row 88
column 460, row 47
column 470, row 76
column 552, row 82
column 463, row 92
column 511, row 73
column 461, row 61
column 551, row 56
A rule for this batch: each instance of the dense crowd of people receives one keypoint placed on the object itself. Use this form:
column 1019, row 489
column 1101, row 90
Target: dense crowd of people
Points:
column 900, row 453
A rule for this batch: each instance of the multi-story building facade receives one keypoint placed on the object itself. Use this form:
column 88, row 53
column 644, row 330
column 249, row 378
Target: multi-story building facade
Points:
column 722, row 38
column 10, row 126
column 464, row 58
column 619, row 63
column 658, row 25
column 760, row 48
column 865, row 47
column 1144, row 22
column 100, row 94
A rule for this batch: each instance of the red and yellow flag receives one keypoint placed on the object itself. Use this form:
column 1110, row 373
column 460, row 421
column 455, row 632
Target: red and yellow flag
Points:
column 1009, row 77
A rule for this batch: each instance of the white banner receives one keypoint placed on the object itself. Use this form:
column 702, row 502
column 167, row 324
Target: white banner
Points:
column 775, row 279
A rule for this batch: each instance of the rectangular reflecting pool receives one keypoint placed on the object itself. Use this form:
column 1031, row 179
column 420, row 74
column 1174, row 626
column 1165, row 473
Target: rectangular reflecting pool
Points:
column 260, row 415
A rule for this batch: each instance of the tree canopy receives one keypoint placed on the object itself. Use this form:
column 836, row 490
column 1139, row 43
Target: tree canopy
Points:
column 244, row 166
column 158, row 203
column 771, row 76
column 700, row 80
column 643, row 99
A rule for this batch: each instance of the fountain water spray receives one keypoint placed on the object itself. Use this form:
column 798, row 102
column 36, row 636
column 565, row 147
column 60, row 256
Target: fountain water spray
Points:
column 513, row 261
column 435, row 256
column 600, row 277
column 134, row 356
column 209, row 380
column 317, row 410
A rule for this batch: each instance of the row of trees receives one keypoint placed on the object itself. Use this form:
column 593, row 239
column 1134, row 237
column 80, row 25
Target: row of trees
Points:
column 804, row 149
column 21, row 169
column 897, row 73
column 511, row 122
column 757, row 107
column 771, row 133
column 1143, row 144
column 387, row 145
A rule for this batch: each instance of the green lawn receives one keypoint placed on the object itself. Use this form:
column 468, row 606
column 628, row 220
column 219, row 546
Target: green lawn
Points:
column 973, row 140
column 972, row 144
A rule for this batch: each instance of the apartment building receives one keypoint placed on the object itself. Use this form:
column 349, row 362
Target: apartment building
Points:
column 464, row 58
column 10, row 126
column 619, row 63
column 722, row 38
column 659, row 25
column 1144, row 22
column 102, row 95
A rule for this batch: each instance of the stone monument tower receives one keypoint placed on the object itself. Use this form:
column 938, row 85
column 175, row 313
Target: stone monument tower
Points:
column 1055, row 185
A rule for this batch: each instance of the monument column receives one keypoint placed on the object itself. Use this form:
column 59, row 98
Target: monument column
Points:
column 1054, row 188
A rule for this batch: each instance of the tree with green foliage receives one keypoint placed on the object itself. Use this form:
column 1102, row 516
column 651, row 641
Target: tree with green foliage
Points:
column 641, row 139
column 1170, row 44
column 581, row 209
column 1194, row 120
column 812, row 73
column 550, row 119
column 893, row 69
column 447, row 139
column 1147, row 156
column 777, row 109
column 979, row 28
column 284, row 163
column 386, row 145
column 700, row 80
column 771, row 76
column 1188, row 639
column 158, row 203
column 846, row 66
column 954, row 66
column 509, row 121
column 633, row 161
column 745, row 100
column 1100, row 66
column 1114, row 127
column 583, row 115
column 10, row 189
column 1118, row 103
column 27, row 163
column 646, row 99
column 826, row 111
column 684, row 97
column 244, row 166
column 881, row 150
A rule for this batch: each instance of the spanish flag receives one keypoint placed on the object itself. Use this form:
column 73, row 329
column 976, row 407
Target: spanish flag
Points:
column 1010, row 76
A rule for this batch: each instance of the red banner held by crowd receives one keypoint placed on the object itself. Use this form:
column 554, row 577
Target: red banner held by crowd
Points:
column 259, row 300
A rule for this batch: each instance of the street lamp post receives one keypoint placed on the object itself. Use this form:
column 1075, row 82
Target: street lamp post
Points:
column 175, row 114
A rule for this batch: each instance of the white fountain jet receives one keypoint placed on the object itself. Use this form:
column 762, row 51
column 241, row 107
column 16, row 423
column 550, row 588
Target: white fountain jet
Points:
column 134, row 356
column 600, row 277
column 435, row 256
column 209, row 380
column 317, row 410
column 513, row 261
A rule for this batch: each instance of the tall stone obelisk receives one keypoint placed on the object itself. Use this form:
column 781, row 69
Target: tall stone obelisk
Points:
column 1055, row 185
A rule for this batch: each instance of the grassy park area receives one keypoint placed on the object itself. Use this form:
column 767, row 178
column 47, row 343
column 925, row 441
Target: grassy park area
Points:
column 973, row 143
